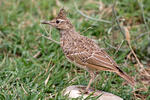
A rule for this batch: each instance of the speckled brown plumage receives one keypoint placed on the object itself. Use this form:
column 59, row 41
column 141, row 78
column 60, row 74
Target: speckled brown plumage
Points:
column 84, row 52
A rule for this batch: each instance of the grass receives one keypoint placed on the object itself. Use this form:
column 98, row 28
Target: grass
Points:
column 23, row 77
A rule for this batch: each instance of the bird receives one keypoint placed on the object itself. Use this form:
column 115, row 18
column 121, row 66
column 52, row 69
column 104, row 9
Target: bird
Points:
column 83, row 51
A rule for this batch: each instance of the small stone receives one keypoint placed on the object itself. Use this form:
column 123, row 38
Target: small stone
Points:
column 76, row 91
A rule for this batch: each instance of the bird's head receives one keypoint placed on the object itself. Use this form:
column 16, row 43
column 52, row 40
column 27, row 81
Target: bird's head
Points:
column 60, row 22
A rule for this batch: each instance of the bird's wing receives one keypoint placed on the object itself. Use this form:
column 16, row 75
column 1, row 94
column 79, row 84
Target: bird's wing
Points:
column 99, row 60
column 102, row 59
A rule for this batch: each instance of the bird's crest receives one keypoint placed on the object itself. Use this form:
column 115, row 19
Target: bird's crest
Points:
column 62, row 14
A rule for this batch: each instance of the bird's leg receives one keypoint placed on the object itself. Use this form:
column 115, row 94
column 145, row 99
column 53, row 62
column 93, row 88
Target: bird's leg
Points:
column 92, row 75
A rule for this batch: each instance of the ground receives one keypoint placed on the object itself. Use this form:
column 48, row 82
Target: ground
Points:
column 33, row 67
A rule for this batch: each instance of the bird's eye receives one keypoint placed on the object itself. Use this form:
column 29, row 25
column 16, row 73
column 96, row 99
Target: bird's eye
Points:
column 57, row 21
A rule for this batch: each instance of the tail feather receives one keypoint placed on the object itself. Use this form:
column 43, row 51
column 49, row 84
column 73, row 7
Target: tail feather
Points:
column 126, row 77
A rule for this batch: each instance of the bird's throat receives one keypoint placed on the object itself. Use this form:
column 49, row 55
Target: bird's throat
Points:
column 68, row 33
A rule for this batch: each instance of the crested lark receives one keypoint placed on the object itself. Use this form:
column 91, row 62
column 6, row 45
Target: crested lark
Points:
column 83, row 51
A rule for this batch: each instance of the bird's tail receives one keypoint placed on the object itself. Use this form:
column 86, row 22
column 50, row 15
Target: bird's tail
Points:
column 126, row 77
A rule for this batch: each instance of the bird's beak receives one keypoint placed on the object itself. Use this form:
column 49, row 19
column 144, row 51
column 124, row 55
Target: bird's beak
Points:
column 45, row 22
